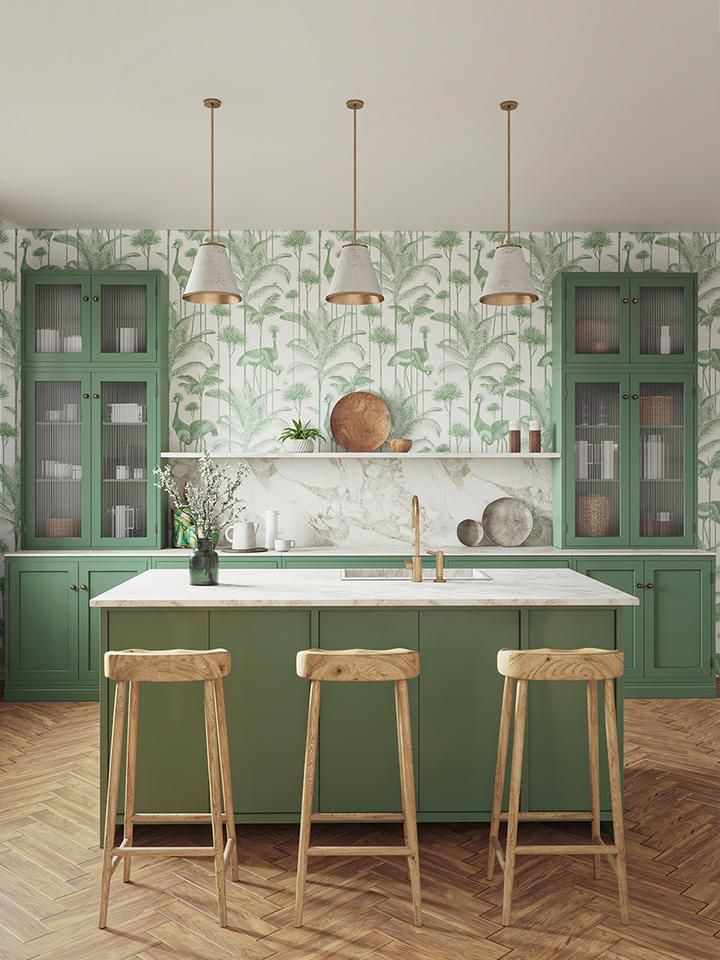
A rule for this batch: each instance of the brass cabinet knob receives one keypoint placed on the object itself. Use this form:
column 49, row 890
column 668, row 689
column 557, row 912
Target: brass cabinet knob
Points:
column 96, row 396
column 86, row 396
column 86, row 299
column 83, row 586
column 73, row 586
column 650, row 586
column 635, row 396
column 634, row 299
column 626, row 396
column 625, row 300
column 640, row 586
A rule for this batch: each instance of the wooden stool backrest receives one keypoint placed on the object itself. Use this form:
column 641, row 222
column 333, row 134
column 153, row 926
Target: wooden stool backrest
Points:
column 358, row 665
column 166, row 666
column 587, row 663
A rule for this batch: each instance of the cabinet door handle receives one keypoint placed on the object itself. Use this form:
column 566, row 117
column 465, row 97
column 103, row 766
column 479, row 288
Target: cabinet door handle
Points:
column 640, row 586
column 95, row 299
column 86, row 396
column 73, row 586
column 625, row 300
column 634, row 299
column 650, row 586
column 86, row 299
column 626, row 396
column 635, row 396
column 83, row 586
column 96, row 396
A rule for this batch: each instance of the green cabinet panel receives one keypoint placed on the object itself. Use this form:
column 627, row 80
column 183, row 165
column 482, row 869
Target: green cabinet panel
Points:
column 485, row 562
column 460, row 691
column 57, row 310
column 266, row 705
column 557, row 745
column 228, row 563
column 679, row 619
column 663, row 300
column 356, row 563
column 42, row 623
column 171, row 761
column 96, row 576
column 125, row 317
column 596, row 318
column 626, row 574
column 358, row 766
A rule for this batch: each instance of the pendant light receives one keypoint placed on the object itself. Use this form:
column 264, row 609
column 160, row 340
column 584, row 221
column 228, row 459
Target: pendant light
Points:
column 211, row 279
column 508, row 282
column 354, row 281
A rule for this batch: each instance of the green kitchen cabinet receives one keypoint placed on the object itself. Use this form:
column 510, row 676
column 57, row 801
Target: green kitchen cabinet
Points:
column 486, row 562
column 626, row 574
column 266, row 705
column 357, row 759
column 182, row 558
column 614, row 318
column 79, row 316
column 394, row 562
column 459, row 726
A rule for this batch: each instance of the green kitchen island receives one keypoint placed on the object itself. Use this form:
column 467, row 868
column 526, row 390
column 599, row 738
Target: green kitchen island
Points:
column 263, row 617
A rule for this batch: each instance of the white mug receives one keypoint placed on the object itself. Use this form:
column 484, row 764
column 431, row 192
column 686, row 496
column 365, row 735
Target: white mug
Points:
column 122, row 472
column 241, row 535
column 139, row 473
column 282, row 545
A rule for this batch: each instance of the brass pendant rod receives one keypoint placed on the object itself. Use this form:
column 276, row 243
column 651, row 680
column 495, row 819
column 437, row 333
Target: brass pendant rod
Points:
column 508, row 175
column 212, row 175
column 354, row 113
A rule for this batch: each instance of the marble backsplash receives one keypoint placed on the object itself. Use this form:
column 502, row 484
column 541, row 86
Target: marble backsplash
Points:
column 366, row 502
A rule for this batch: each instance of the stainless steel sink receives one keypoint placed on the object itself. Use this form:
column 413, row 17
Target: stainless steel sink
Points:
column 402, row 573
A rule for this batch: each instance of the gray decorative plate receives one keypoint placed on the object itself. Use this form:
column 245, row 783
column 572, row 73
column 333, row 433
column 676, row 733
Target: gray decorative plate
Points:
column 470, row 533
column 507, row 522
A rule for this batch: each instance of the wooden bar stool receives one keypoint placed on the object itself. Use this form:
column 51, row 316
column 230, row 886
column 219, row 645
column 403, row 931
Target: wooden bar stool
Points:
column 591, row 666
column 359, row 666
column 130, row 668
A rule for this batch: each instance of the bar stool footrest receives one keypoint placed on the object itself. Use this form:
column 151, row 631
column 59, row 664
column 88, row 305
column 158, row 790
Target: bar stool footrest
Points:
column 358, row 851
column 361, row 817
column 568, row 849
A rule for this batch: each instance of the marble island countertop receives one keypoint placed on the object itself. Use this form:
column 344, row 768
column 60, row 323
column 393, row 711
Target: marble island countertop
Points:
column 326, row 588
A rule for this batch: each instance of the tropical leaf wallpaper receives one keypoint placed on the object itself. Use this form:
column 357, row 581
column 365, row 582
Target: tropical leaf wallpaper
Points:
column 452, row 371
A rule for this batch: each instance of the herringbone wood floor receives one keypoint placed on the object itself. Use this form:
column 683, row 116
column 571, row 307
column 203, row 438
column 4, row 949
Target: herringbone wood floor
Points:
column 49, row 863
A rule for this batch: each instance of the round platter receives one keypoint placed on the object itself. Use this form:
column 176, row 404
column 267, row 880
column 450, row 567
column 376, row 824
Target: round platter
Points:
column 245, row 550
column 470, row 533
column 507, row 522
column 360, row 422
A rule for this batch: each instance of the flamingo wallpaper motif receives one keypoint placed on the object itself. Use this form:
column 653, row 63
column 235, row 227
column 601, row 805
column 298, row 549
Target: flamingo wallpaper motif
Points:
column 452, row 372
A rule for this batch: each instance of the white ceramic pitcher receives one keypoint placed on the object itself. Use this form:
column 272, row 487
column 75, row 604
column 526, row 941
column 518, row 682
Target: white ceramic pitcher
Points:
column 241, row 534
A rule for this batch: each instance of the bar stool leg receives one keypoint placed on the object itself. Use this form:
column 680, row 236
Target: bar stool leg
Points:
column 311, row 743
column 500, row 764
column 407, row 789
column 514, row 802
column 226, row 776
column 130, row 772
column 594, row 759
column 211, row 740
column 616, row 796
column 112, row 796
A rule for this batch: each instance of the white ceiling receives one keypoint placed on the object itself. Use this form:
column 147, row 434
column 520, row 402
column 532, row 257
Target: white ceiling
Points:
column 102, row 122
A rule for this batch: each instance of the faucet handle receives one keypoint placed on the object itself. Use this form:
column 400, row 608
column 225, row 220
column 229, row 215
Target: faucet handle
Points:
column 439, row 565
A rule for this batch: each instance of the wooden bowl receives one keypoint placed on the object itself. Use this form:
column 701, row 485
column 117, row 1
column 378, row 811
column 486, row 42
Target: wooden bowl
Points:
column 400, row 445
column 360, row 421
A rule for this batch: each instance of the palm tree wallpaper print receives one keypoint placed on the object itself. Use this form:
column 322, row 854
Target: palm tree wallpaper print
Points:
column 452, row 371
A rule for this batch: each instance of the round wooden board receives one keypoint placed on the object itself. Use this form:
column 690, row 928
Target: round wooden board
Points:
column 360, row 422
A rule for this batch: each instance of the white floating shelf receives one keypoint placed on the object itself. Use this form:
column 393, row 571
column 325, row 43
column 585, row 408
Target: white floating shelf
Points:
column 382, row 455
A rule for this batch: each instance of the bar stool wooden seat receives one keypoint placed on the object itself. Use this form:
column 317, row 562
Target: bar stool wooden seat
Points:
column 130, row 668
column 591, row 666
column 353, row 666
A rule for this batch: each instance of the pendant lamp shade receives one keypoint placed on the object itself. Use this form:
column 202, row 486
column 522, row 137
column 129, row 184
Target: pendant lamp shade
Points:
column 354, row 280
column 508, row 283
column 212, row 279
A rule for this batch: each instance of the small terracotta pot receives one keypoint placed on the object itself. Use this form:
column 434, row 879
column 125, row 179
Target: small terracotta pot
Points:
column 401, row 445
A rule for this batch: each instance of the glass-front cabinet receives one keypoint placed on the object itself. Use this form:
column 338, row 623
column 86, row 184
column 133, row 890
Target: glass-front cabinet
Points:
column 90, row 448
column 107, row 317
column 630, row 440
column 623, row 318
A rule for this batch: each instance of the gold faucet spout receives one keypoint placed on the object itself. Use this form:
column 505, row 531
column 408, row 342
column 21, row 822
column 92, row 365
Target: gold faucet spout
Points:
column 415, row 563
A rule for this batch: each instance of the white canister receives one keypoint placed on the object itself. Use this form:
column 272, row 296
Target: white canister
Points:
column 122, row 471
column 72, row 344
column 665, row 343
column 271, row 528
column 126, row 340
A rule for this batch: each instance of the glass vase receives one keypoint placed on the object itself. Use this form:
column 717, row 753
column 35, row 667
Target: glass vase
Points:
column 204, row 564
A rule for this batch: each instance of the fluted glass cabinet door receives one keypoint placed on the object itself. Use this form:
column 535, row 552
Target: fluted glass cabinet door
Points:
column 663, row 324
column 57, row 485
column 597, row 318
column 124, row 318
column 662, row 450
column 125, row 509
column 598, row 420
column 57, row 318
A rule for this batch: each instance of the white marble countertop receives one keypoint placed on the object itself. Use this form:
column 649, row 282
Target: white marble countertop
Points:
column 385, row 550
column 324, row 588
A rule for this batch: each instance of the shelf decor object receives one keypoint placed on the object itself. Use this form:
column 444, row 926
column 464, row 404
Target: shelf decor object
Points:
column 212, row 279
column 508, row 282
column 360, row 421
column 355, row 281
column 507, row 521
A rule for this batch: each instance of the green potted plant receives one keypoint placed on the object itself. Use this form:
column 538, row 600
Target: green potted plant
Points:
column 300, row 437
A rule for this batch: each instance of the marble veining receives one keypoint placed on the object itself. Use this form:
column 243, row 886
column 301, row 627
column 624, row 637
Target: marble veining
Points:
column 325, row 588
